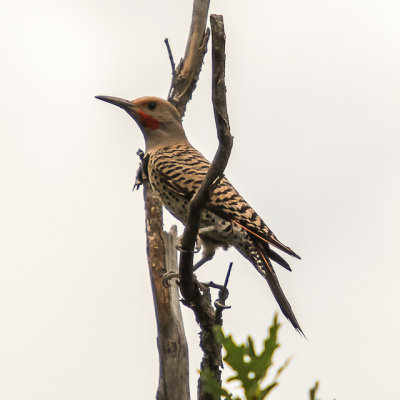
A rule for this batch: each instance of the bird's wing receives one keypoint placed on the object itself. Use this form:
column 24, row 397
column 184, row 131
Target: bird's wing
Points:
column 226, row 202
column 182, row 168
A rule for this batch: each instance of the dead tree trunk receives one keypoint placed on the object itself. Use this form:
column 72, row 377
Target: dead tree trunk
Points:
column 172, row 346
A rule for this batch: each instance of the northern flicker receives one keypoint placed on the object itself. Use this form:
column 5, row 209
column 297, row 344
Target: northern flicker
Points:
column 175, row 171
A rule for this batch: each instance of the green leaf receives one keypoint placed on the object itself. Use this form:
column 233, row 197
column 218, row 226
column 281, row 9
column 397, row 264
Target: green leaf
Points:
column 250, row 368
column 265, row 392
column 212, row 387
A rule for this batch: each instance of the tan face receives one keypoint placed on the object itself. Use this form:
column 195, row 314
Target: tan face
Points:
column 157, row 118
column 153, row 112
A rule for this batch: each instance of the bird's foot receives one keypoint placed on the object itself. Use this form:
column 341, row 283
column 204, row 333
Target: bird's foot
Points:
column 168, row 276
column 138, row 179
column 139, row 174
column 178, row 246
column 140, row 153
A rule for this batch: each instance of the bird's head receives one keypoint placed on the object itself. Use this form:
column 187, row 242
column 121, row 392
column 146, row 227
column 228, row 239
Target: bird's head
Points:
column 157, row 118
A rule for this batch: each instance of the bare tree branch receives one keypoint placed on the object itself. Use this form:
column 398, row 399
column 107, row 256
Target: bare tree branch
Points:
column 218, row 82
column 188, row 70
column 201, row 304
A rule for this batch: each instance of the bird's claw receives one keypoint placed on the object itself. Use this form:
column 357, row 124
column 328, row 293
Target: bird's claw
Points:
column 138, row 180
column 195, row 250
column 168, row 276
column 140, row 153
column 139, row 173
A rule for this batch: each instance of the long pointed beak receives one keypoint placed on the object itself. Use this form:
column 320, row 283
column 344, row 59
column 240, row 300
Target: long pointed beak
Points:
column 124, row 104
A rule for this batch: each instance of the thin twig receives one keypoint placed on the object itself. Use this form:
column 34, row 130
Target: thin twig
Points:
column 228, row 274
column 223, row 295
column 171, row 60
column 171, row 57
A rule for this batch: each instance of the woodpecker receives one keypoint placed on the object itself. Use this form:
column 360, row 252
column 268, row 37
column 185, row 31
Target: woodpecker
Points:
column 175, row 170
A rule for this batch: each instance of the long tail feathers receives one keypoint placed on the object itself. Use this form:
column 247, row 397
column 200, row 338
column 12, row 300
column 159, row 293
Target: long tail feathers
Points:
column 271, row 239
column 277, row 258
column 269, row 274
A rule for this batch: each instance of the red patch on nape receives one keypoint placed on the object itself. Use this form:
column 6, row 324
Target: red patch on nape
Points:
column 147, row 121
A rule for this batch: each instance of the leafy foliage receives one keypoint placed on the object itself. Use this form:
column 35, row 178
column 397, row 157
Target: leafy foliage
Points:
column 250, row 369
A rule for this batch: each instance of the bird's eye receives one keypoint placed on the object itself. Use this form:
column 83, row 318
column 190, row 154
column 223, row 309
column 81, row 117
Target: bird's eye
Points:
column 152, row 105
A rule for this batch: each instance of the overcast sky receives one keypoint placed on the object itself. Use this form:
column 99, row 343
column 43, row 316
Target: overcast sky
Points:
column 314, row 100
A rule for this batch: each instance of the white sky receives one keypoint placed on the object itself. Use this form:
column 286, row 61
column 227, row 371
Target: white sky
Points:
column 313, row 98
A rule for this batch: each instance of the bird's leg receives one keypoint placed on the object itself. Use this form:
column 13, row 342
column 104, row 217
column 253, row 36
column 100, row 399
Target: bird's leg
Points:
column 221, row 230
column 179, row 245
column 208, row 250
column 202, row 261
